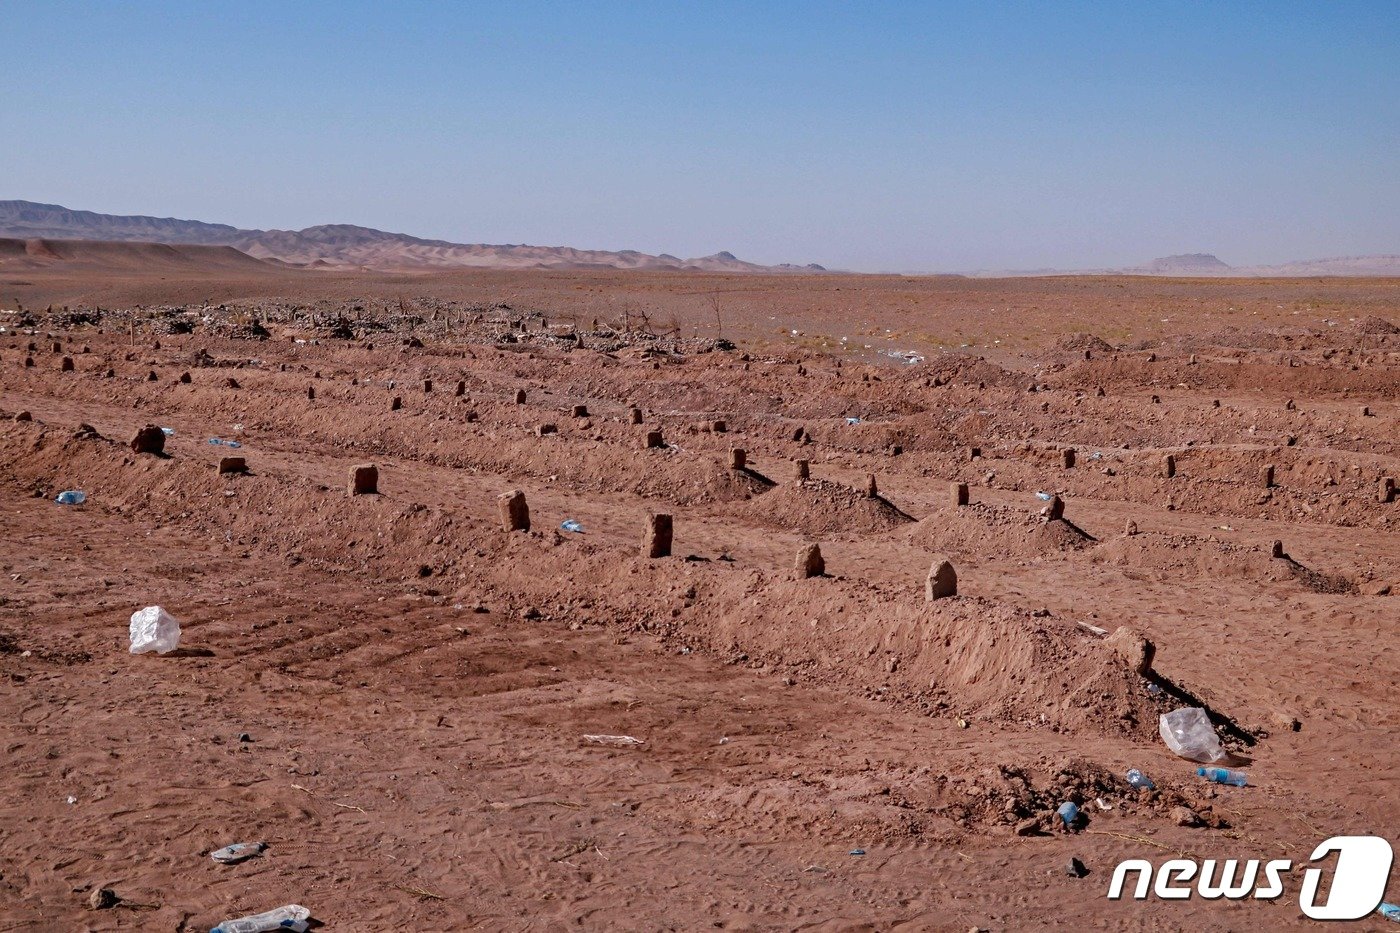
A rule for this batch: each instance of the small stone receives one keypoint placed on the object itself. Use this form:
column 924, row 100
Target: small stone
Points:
column 103, row 899
column 1075, row 868
column 1133, row 648
column 149, row 440
column 1185, row 816
column 1030, row 827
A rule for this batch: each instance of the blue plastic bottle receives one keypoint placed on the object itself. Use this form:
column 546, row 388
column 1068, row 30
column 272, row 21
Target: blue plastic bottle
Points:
column 1223, row 776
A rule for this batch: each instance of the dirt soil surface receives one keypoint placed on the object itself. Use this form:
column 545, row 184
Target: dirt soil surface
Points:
column 435, row 723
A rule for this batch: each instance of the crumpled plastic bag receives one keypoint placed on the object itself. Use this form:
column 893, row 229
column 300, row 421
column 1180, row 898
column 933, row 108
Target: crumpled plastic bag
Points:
column 154, row 629
column 1188, row 733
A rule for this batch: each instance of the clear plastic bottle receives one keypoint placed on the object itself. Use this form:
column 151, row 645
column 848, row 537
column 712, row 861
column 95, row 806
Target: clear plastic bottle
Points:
column 71, row 497
column 1139, row 780
column 291, row 917
column 1223, row 776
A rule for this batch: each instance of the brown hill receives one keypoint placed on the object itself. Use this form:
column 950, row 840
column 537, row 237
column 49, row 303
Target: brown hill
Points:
column 346, row 245
column 101, row 256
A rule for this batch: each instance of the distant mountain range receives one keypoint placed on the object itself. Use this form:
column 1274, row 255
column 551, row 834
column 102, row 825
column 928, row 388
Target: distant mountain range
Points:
column 343, row 245
column 1193, row 265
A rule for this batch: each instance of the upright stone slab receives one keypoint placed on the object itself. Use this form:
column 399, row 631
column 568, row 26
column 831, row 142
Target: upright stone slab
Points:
column 364, row 480
column 515, row 513
column 810, row 562
column 656, row 541
column 653, row 440
column 801, row 470
column 738, row 459
column 958, row 494
column 942, row 580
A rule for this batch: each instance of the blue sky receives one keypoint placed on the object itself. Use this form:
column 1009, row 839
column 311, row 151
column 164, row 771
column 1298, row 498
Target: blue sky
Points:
column 885, row 136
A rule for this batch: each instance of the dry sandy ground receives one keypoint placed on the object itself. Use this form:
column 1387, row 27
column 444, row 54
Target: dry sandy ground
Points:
column 415, row 683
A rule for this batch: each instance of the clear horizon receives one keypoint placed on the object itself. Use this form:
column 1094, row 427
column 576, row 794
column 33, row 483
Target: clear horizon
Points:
column 897, row 137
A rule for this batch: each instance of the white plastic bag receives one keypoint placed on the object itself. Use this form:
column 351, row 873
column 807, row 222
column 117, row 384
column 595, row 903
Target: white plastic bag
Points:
column 154, row 629
column 1188, row 733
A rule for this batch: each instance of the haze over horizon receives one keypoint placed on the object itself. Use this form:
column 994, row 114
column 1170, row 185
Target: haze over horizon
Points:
column 892, row 138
